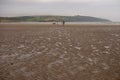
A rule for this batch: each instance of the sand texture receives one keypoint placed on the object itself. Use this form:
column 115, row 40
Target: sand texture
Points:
column 55, row 52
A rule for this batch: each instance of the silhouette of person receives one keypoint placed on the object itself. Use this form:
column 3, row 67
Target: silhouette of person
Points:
column 63, row 23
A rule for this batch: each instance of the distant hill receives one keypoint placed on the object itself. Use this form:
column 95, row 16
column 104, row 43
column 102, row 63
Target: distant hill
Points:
column 53, row 18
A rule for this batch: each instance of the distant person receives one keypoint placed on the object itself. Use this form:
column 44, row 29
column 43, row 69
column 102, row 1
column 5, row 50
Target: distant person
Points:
column 54, row 23
column 63, row 23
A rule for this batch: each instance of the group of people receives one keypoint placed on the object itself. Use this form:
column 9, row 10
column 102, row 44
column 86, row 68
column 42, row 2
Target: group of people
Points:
column 63, row 23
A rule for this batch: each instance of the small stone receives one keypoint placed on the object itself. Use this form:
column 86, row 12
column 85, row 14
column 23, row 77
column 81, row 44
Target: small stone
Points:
column 107, row 47
column 11, row 63
column 21, row 46
column 89, row 59
column 79, row 48
column 105, row 66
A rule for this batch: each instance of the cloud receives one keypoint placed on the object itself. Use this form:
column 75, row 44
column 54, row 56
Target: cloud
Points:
column 46, row 1
column 58, row 1
column 101, row 8
column 64, row 0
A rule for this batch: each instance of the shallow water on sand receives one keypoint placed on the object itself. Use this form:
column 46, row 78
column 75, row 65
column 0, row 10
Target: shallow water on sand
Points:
column 60, row 23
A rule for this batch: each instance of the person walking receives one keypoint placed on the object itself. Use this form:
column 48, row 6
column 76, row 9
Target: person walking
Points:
column 63, row 23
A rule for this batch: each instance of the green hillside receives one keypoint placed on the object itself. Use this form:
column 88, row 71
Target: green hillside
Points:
column 53, row 18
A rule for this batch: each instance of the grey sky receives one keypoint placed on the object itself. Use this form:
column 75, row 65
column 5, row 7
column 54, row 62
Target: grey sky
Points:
column 109, row 9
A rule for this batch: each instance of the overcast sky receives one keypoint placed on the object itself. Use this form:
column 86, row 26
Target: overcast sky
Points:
column 109, row 9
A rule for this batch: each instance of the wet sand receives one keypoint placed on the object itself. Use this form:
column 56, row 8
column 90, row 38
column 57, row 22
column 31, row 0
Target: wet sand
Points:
column 55, row 52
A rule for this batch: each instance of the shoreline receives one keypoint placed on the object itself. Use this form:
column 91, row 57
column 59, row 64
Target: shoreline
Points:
column 67, row 23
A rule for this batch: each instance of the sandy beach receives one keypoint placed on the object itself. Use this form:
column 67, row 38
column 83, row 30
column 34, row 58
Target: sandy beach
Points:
column 56, row 52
